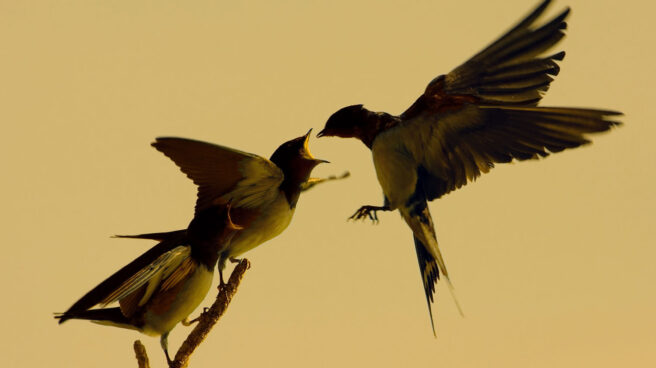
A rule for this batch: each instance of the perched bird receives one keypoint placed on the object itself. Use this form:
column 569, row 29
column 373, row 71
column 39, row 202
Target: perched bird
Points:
column 481, row 113
column 164, row 285
column 263, row 193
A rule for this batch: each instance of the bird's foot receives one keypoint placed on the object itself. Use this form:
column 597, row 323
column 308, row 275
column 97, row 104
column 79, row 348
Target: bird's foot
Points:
column 370, row 212
column 188, row 322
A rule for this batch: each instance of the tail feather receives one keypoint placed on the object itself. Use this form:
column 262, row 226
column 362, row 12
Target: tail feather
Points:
column 154, row 236
column 430, row 273
column 428, row 252
column 112, row 316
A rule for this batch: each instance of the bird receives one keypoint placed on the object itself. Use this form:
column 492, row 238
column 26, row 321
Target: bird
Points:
column 263, row 193
column 483, row 112
column 165, row 284
column 243, row 200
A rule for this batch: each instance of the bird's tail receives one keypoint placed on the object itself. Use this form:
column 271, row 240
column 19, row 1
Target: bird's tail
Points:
column 429, row 256
column 430, row 273
column 104, row 316
column 155, row 236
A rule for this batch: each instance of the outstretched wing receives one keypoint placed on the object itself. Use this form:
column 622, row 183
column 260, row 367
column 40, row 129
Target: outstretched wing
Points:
column 485, row 111
column 222, row 174
column 510, row 71
column 457, row 147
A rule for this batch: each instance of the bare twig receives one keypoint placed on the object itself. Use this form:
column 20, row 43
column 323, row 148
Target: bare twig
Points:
column 142, row 357
column 207, row 320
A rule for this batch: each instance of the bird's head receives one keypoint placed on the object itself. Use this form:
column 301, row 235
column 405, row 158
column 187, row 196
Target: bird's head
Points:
column 354, row 122
column 347, row 122
column 295, row 159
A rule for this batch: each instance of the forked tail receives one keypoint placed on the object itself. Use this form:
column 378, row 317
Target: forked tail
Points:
column 429, row 256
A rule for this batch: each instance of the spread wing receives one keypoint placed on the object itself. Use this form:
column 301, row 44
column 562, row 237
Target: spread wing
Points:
column 485, row 111
column 457, row 147
column 222, row 174
column 510, row 71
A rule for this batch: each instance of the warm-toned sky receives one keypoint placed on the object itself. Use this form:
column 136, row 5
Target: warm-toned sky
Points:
column 553, row 261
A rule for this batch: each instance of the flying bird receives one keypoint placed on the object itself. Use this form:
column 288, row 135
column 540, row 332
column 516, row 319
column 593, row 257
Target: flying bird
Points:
column 243, row 201
column 481, row 113
column 164, row 285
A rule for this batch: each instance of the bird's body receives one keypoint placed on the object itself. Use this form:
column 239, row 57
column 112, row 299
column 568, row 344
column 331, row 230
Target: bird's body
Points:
column 481, row 113
column 164, row 309
column 164, row 285
column 263, row 193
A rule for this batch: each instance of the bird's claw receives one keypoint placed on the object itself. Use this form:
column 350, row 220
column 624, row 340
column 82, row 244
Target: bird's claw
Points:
column 364, row 212
column 188, row 322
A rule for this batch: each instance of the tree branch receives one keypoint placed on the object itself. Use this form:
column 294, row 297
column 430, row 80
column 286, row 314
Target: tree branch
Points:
column 142, row 357
column 206, row 321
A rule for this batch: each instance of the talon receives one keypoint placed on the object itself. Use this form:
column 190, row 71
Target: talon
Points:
column 365, row 212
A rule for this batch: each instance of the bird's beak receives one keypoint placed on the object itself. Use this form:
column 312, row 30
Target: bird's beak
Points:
column 321, row 133
column 307, row 149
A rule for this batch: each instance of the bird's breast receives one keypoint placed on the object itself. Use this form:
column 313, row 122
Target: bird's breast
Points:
column 260, row 224
column 396, row 168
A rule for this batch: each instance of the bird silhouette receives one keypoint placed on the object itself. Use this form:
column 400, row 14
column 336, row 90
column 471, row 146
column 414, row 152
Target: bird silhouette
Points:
column 481, row 113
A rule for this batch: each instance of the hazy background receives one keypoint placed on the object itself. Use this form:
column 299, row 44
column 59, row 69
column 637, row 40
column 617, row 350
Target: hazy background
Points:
column 553, row 261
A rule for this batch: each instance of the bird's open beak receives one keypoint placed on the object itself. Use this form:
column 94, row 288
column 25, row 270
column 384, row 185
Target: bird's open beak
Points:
column 321, row 133
column 307, row 149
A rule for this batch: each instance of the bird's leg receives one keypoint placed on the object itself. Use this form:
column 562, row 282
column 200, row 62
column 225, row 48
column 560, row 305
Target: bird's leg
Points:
column 164, row 341
column 314, row 181
column 369, row 211
column 221, row 282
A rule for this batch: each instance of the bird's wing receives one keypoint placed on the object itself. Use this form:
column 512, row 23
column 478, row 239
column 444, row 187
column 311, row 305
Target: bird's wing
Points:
column 484, row 111
column 455, row 148
column 129, row 278
column 510, row 71
column 150, row 276
column 222, row 174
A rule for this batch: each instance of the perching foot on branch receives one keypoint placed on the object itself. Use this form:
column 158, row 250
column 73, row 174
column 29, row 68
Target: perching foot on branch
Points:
column 206, row 321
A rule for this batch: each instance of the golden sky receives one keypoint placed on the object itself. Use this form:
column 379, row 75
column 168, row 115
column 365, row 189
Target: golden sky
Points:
column 553, row 261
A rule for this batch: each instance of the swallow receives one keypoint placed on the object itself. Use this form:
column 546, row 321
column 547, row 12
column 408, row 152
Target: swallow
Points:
column 165, row 284
column 481, row 113
column 263, row 193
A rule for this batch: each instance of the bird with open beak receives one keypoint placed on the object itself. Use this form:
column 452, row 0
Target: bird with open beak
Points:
column 243, row 201
column 263, row 193
column 481, row 113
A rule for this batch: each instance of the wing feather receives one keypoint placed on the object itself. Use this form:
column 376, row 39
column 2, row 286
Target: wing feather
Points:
column 151, row 275
column 101, row 292
column 220, row 171
column 510, row 71
column 465, row 143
